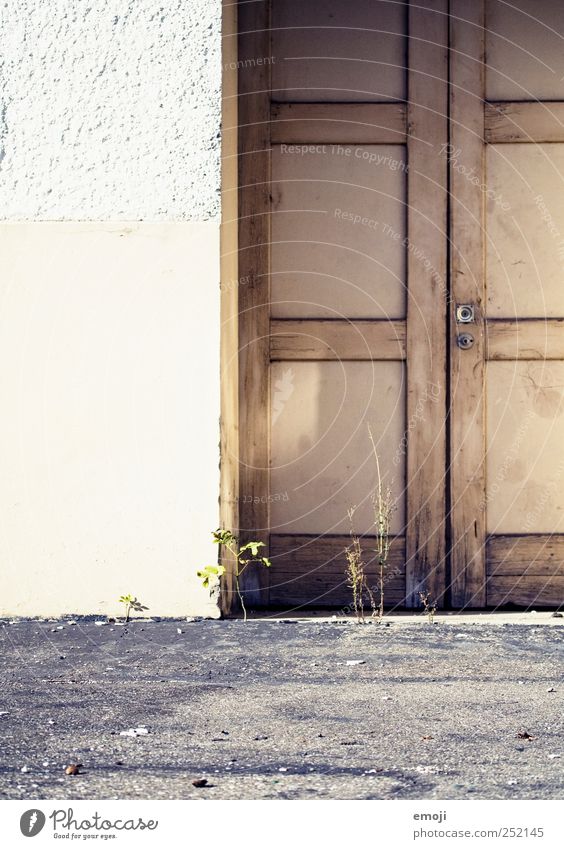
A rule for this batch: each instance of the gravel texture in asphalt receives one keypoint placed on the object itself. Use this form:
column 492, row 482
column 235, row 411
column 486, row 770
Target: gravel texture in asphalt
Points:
column 273, row 709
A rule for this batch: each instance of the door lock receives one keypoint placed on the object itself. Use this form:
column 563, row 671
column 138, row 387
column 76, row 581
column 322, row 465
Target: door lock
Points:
column 464, row 313
column 464, row 341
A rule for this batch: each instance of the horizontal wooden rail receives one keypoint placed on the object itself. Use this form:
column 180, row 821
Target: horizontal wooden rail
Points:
column 525, row 570
column 338, row 123
column 310, row 571
column 524, row 122
column 535, row 554
column 318, row 339
column 525, row 339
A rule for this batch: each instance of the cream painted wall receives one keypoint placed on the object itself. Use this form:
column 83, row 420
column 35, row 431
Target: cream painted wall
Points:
column 109, row 399
column 109, row 304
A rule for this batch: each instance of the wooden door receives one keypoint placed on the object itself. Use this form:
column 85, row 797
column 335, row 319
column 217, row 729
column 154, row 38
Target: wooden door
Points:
column 342, row 295
column 506, row 160
column 365, row 163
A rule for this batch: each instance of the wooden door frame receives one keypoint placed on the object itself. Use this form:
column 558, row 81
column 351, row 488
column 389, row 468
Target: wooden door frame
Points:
column 427, row 289
column 467, row 520
column 246, row 349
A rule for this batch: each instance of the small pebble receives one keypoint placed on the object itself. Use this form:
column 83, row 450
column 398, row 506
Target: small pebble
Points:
column 73, row 769
column 134, row 732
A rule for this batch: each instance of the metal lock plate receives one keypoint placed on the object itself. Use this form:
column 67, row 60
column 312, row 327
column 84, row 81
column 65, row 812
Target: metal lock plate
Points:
column 465, row 341
column 464, row 313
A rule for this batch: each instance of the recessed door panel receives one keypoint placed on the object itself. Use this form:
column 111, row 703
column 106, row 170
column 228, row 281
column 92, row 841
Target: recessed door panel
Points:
column 338, row 51
column 525, row 50
column 338, row 231
column 525, row 230
column 322, row 462
column 525, row 447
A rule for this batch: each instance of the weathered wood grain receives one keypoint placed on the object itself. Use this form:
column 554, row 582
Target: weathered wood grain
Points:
column 525, row 339
column 310, row 571
column 526, row 591
column 338, row 123
column 311, row 339
column 467, row 434
column 229, row 268
column 535, row 554
column 524, row 122
column 427, row 291
column 254, row 265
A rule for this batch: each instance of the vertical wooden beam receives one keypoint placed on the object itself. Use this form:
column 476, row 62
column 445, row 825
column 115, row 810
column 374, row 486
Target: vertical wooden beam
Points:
column 229, row 342
column 427, row 291
column 254, row 266
column 467, row 440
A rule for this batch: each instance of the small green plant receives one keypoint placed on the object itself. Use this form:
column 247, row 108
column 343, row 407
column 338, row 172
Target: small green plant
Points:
column 242, row 556
column 131, row 603
column 429, row 606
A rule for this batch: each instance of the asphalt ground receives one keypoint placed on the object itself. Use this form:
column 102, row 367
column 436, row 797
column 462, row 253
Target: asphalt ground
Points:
column 305, row 709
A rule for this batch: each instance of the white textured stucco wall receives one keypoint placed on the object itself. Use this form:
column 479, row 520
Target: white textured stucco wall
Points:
column 109, row 304
column 110, row 109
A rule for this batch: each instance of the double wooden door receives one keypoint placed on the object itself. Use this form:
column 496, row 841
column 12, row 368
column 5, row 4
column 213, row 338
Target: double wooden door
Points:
column 401, row 266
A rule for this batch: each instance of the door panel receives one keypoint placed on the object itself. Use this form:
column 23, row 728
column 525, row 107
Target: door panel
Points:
column 524, row 220
column 338, row 230
column 525, row 426
column 321, row 458
column 524, row 49
column 336, row 51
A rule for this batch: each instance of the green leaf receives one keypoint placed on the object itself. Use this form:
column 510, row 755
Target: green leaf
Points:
column 209, row 574
column 253, row 547
column 221, row 537
column 266, row 561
